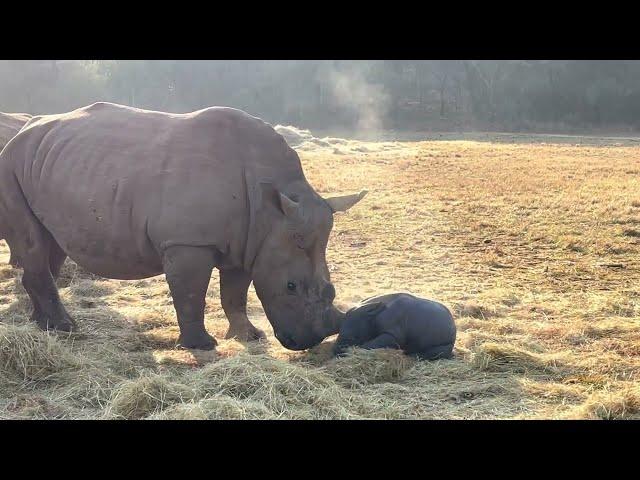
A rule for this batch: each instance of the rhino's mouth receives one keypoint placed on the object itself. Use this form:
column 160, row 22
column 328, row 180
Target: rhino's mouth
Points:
column 299, row 327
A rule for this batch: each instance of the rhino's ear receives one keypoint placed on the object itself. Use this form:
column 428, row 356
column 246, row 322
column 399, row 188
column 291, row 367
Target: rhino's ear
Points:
column 289, row 207
column 374, row 309
column 344, row 203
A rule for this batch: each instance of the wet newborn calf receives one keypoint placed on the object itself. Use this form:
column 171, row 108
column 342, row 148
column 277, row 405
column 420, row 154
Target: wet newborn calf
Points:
column 417, row 326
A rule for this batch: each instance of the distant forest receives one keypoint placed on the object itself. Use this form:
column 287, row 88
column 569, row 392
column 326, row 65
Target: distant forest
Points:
column 410, row 95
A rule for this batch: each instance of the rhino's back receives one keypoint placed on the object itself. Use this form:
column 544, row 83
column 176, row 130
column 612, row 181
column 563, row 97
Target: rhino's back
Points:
column 10, row 125
column 115, row 185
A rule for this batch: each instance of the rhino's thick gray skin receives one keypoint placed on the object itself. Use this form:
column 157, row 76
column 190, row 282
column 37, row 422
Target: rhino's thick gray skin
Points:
column 419, row 327
column 129, row 194
column 10, row 125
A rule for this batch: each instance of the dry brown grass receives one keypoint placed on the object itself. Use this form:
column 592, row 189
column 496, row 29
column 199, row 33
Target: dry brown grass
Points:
column 532, row 242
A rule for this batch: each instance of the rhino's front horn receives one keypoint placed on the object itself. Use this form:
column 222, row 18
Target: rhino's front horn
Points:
column 344, row 203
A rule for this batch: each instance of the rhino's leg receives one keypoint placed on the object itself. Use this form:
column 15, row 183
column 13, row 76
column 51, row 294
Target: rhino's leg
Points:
column 56, row 259
column 48, row 311
column 233, row 295
column 188, row 271
column 381, row 341
column 13, row 261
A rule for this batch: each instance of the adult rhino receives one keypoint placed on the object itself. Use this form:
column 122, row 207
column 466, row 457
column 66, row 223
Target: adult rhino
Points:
column 129, row 194
column 10, row 125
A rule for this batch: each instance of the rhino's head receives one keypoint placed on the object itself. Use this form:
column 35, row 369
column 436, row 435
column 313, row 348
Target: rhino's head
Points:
column 289, row 266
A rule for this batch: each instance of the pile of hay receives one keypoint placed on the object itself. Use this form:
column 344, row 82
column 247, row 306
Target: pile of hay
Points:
column 29, row 354
column 294, row 136
column 218, row 407
column 506, row 358
column 285, row 389
column 366, row 367
column 621, row 404
column 303, row 139
column 147, row 395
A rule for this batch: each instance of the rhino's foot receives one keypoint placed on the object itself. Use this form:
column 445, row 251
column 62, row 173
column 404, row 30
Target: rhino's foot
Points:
column 202, row 341
column 59, row 323
column 247, row 333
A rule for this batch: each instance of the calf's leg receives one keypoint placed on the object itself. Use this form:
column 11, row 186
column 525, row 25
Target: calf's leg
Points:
column 437, row 352
column 188, row 271
column 233, row 295
column 381, row 341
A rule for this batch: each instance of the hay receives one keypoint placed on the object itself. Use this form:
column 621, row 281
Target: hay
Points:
column 218, row 407
column 302, row 139
column 287, row 390
column 30, row 354
column 562, row 352
column 622, row 404
column 147, row 395
column 90, row 288
column 365, row 367
column 294, row 136
column 511, row 359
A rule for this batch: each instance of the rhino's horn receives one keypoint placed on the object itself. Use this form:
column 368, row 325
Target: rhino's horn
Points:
column 344, row 203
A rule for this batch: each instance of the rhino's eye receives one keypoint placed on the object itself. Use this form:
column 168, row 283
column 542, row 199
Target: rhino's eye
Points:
column 291, row 286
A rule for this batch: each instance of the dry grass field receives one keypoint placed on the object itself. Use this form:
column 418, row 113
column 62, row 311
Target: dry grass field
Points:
column 532, row 242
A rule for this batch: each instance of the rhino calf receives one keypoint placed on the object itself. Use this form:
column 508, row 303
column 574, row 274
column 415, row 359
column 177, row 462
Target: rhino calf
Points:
column 417, row 326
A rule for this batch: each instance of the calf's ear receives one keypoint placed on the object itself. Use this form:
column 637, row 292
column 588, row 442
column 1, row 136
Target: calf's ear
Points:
column 374, row 309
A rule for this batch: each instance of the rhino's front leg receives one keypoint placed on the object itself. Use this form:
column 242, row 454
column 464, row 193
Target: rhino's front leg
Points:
column 233, row 295
column 188, row 271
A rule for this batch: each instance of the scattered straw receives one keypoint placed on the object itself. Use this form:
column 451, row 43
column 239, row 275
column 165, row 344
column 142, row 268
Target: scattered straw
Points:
column 364, row 367
column 218, row 407
column 31, row 354
column 620, row 404
column 511, row 359
column 135, row 399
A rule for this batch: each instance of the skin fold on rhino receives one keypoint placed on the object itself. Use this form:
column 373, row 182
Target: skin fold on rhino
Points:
column 10, row 125
column 129, row 194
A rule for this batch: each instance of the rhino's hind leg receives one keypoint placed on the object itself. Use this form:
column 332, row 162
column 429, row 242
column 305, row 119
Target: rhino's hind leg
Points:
column 48, row 311
column 188, row 271
column 436, row 352
column 56, row 259
column 382, row 341
column 233, row 296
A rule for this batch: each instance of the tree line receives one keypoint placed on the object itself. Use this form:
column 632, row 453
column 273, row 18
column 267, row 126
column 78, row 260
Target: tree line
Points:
column 513, row 95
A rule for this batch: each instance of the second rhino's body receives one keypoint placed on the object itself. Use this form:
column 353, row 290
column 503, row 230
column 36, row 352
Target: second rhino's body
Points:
column 10, row 125
column 402, row 321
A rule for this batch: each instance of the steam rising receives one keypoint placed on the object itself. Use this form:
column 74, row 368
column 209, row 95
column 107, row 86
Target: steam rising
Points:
column 367, row 101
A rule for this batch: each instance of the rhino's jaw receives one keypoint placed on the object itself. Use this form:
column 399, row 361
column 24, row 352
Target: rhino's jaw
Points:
column 294, row 344
column 300, row 329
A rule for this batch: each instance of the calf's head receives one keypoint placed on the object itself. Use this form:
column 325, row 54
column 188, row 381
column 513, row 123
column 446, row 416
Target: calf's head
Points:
column 358, row 326
column 289, row 268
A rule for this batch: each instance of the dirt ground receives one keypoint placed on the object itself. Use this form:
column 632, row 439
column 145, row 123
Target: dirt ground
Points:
column 531, row 241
